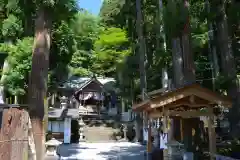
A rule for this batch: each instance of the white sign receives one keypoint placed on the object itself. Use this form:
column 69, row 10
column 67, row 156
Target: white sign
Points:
column 67, row 130
column 145, row 134
column 163, row 141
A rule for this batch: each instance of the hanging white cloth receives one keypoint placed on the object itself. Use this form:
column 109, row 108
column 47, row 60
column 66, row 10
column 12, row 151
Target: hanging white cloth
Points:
column 85, row 96
column 163, row 140
column 96, row 96
column 145, row 134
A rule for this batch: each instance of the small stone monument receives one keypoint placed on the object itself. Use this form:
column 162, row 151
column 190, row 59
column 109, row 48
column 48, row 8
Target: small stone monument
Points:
column 51, row 147
column 175, row 149
column 81, row 126
column 64, row 102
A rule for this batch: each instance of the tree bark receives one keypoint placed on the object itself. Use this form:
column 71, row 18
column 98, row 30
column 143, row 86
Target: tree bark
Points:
column 188, row 61
column 38, row 80
column 228, row 66
column 212, row 46
column 177, row 62
column 190, row 77
column 142, row 64
column 4, row 70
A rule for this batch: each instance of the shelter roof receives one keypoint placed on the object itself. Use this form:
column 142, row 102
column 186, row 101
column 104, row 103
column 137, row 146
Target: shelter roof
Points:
column 192, row 95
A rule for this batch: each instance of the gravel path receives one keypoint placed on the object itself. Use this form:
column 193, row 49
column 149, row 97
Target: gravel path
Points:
column 102, row 151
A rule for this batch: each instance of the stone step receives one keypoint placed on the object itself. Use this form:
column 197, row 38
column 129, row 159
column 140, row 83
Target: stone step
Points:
column 98, row 134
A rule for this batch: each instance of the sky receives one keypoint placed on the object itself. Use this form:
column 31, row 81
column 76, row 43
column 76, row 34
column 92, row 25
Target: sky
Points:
column 93, row 6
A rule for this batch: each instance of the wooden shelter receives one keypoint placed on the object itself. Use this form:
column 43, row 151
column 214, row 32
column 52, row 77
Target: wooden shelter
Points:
column 186, row 102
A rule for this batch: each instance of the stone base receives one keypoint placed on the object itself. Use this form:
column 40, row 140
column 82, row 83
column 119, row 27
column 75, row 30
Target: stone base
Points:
column 123, row 140
column 82, row 140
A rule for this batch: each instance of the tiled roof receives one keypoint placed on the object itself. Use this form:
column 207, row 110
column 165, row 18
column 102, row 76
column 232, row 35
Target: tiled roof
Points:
column 75, row 82
column 61, row 113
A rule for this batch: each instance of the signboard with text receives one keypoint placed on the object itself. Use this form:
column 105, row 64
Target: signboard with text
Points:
column 67, row 130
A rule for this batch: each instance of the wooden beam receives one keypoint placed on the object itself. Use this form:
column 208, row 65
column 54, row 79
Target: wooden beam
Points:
column 140, row 105
column 181, row 129
column 158, row 91
column 186, row 100
column 155, row 92
column 211, row 97
column 166, row 100
column 184, row 114
column 189, row 104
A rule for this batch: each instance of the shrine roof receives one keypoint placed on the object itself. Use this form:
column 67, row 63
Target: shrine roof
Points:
column 76, row 83
column 176, row 96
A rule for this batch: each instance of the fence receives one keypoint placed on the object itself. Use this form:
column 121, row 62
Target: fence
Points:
column 14, row 129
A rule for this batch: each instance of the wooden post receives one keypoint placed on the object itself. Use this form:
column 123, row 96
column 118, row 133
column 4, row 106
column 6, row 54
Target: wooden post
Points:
column 165, row 131
column 212, row 137
column 149, row 142
column 181, row 128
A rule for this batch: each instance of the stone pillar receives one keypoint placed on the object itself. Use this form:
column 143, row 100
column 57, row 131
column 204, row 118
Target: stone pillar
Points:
column 81, row 128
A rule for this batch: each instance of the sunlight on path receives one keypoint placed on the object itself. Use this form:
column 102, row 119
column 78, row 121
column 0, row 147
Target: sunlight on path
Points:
column 102, row 151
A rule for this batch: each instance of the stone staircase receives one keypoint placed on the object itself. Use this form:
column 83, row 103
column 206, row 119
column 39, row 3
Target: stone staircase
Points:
column 99, row 134
column 100, row 128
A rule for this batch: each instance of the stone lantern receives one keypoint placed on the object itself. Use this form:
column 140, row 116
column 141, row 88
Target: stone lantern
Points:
column 51, row 147
column 175, row 149
column 64, row 102
column 81, row 126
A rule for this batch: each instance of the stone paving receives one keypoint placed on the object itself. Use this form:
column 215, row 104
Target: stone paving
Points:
column 102, row 151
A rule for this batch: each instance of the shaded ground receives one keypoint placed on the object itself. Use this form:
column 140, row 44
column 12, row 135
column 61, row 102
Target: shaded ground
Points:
column 102, row 151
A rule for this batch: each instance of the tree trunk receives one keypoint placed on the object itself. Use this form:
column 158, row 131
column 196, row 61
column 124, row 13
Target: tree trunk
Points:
column 228, row 66
column 38, row 80
column 190, row 77
column 188, row 61
column 178, row 79
column 177, row 62
column 4, row 70
column 212, row 47
column 15, row 99
column 161, row 36
column 142, row 64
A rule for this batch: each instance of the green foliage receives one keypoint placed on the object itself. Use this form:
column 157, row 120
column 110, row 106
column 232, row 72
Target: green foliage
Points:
column 19, row 60
column 17, row 22
column 11, row 27
column 110, row 50
column 83, row 44
column 85, row 28
column 111, row 12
